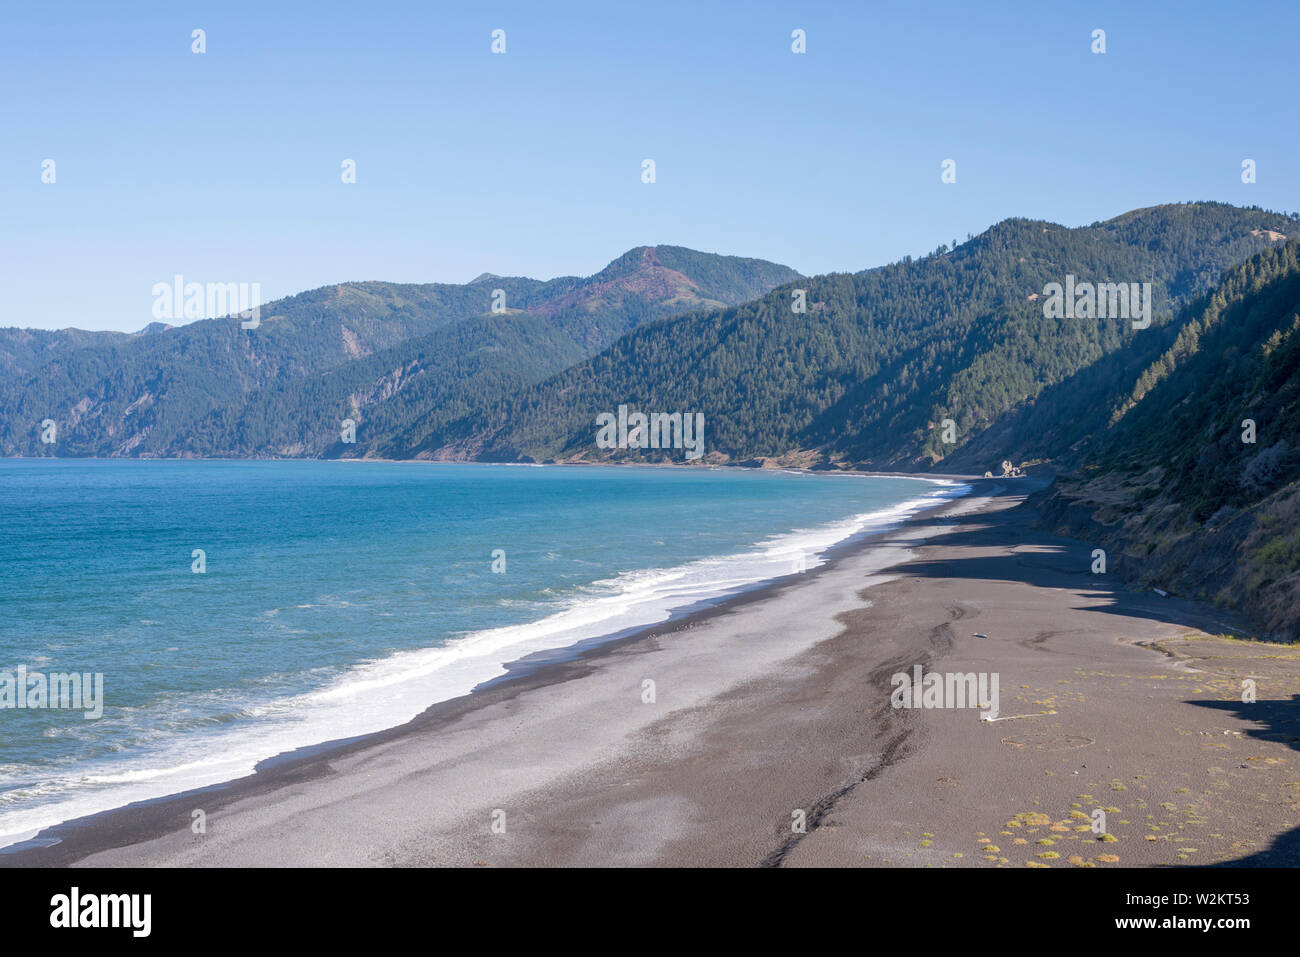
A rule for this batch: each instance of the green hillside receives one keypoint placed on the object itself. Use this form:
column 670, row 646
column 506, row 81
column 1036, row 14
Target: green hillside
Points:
column 866, row 376
column 1193, row 485
column 392, row 352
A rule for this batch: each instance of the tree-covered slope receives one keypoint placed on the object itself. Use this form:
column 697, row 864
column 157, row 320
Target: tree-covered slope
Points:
column 1193, row 482
column 213, row 388
column 434, row 377
column 22, row 350
column 880, row 358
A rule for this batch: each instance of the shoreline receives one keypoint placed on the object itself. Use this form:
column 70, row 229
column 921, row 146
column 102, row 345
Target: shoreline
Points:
column 567, row 463
column 776, row 702
column 533, row 670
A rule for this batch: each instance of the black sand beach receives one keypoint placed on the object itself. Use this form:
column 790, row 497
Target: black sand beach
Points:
column 774, row 707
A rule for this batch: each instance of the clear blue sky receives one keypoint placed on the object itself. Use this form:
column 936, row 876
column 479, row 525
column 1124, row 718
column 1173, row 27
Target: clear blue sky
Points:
column 225, row 167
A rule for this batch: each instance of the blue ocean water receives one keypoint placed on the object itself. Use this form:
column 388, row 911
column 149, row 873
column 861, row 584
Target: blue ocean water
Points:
column 340, row 598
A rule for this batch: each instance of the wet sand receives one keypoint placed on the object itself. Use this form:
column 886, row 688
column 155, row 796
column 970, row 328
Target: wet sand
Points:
column 775, row 707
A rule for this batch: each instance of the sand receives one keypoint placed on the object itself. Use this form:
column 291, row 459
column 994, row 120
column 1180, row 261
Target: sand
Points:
column 775, row 708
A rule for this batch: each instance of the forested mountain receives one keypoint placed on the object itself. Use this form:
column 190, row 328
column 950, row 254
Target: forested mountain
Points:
column 1191, row 479
column 429, row 378
column 954, row 361
column 22, row 350
column 867, row 375
column 384, row 350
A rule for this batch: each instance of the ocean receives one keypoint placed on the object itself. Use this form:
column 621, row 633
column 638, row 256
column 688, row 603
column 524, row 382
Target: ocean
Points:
column 238, row 610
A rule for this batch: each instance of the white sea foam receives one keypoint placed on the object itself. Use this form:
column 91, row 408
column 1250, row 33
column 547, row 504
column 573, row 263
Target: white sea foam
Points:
column 376, row 695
